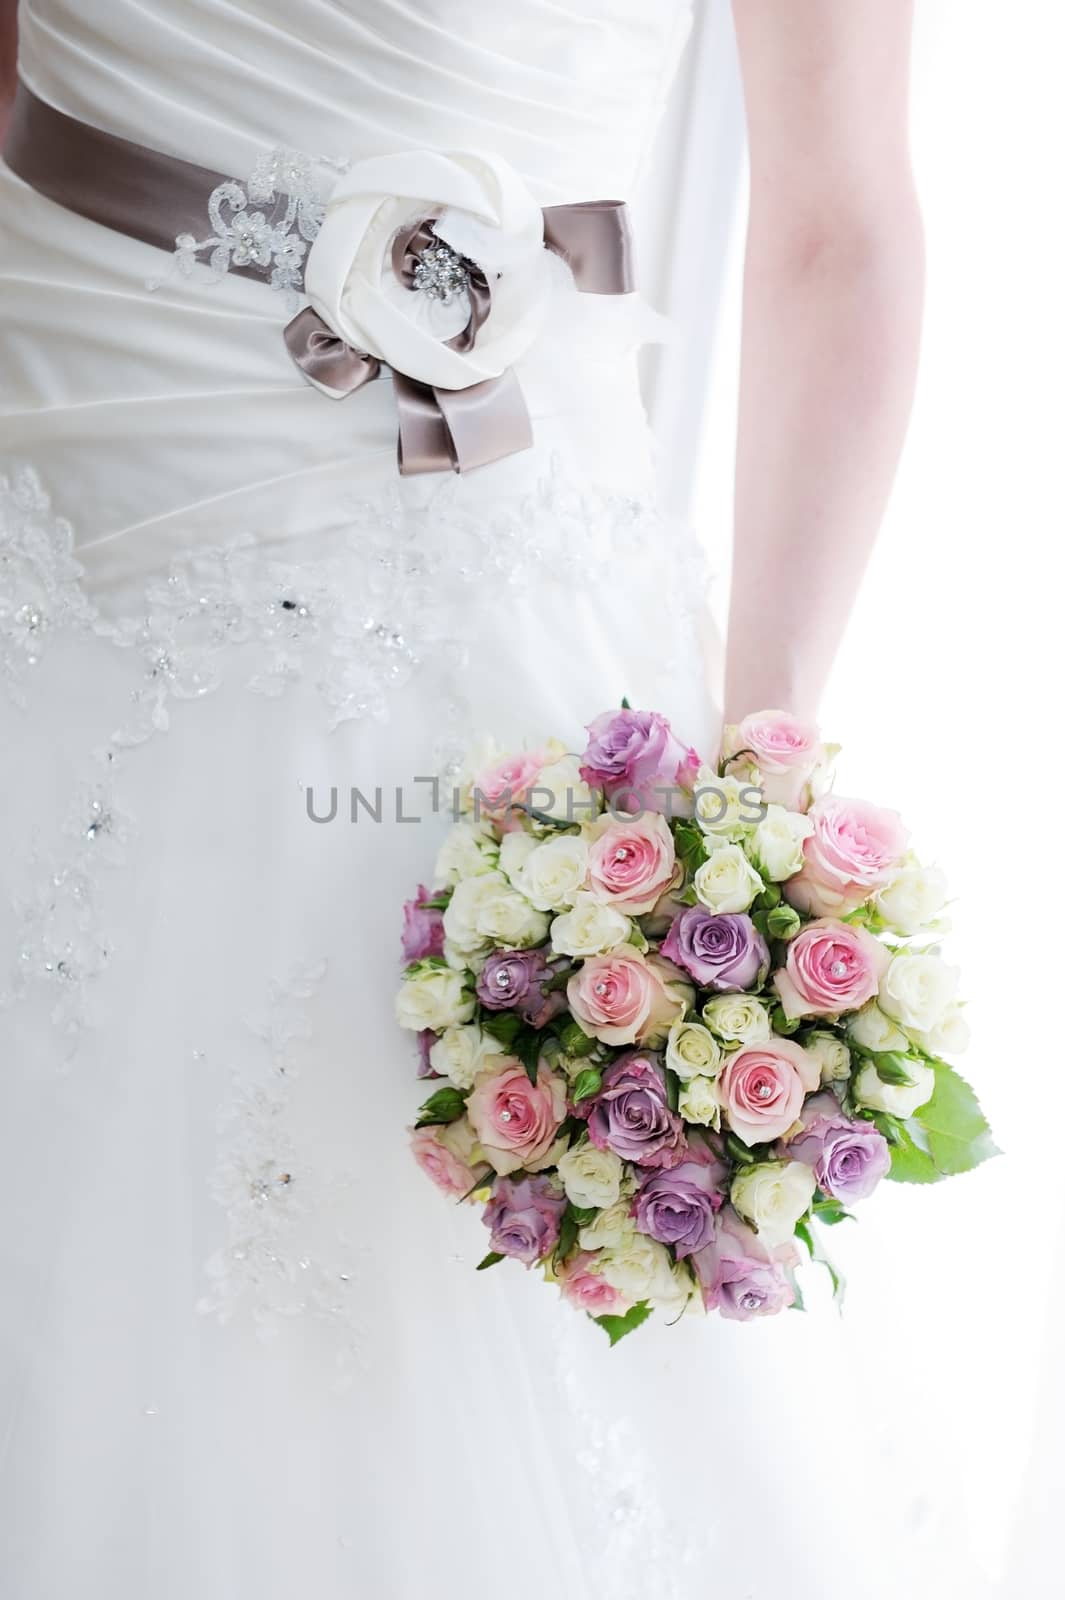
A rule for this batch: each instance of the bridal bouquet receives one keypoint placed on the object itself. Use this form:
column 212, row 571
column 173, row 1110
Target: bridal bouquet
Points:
column 680, row 1016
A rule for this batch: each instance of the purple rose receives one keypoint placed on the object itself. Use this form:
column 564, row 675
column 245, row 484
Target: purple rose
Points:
column 516, row 980
column 677, row 1206
column 630, row 754
column 723, row 952
column 426, row 1039
column 423, row 928
column 524, row 1218
column 739, row 1275
column 631, row 1113
column 849, row 1158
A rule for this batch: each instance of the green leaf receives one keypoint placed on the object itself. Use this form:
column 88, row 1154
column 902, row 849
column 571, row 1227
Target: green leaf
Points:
column 910, row 1160
column 830, row 1212
column 798, row 1304
column 738, row 1150
column 804, row 1231
column 574, row 1040
column 783, row 1024
column 587, row 1083
column 439, row 902
column 672, row 1089
column 769, row 897
column 567, row 1234
column 446, row 1105
column 490, row 1260
column 625, row 704
column 502, row 1026
column 424, row 964
column 527, row 1048
column 892, row 1067
column 956, row 1130
column 690, row 845
column 616, row 1328
column 583, row 1215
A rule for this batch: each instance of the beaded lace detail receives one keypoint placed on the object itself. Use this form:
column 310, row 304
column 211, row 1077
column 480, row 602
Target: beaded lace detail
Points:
column 289, row 198
column 275, row 1193
column 40, row 580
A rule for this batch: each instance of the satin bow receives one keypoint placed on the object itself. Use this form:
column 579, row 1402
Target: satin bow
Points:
column 459, row 429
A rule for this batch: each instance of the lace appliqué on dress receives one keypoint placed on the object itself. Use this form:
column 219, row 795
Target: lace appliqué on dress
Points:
column 275, row 1193
column 63, row 942
column 272, row 240
column 40, row 580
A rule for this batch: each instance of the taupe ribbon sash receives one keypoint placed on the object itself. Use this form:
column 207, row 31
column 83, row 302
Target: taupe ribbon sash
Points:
column 154, row 197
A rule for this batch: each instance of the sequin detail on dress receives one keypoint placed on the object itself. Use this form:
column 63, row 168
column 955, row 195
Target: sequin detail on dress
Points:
column 275, row 1194
column 40, row 580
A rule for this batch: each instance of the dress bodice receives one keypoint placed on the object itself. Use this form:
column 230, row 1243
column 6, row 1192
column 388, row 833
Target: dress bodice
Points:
column 568, row 91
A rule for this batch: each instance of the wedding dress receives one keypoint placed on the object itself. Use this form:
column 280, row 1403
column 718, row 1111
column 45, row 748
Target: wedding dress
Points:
column 244, row 1350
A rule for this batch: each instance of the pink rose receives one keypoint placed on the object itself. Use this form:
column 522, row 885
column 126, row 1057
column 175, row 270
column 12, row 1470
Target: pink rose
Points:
column 507, row 783
column 586, row 1288
column 444, row 1155
column 830, row 968
column 631, row 864
column 853, row 851
column 785, row 751
column 626, row 997
column 516, row 1121
column 763, row 1087
column 423, row 928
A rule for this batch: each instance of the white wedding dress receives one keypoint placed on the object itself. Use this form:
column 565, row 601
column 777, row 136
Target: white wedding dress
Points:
column 244, row 1351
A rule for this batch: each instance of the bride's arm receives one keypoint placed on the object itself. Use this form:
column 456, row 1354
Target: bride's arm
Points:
column 833, row 289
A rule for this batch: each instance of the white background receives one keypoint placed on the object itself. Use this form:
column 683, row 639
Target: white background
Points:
column 947, row 698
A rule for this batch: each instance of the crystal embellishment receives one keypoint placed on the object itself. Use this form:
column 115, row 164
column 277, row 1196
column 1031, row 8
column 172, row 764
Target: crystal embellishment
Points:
column 441, row 273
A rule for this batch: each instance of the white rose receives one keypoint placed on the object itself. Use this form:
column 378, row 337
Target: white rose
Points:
column 897, row 1099
column 918, row 990
column 832, row 1056
column 479, row 207
column 461, row 1053
column 461, row 931
column 726, row 881
column 913, row 898
column 433, row 997
column 773, row 1195
column 776, row 844
column 468, row 850
column 949, row 1037
column 554, row 871
column 698, row 1102
column 870, row 1029
column 514, row 851
column 612, row 1229
column 591, row 1177
column 738, row 1018
column 488, row 910
column 640, row 1269
column 725, row 808
column 692, row 1050
column 571, row 799
column 589, row 929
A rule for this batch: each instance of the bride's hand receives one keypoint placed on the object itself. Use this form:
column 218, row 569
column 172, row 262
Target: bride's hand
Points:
column 833, row 290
